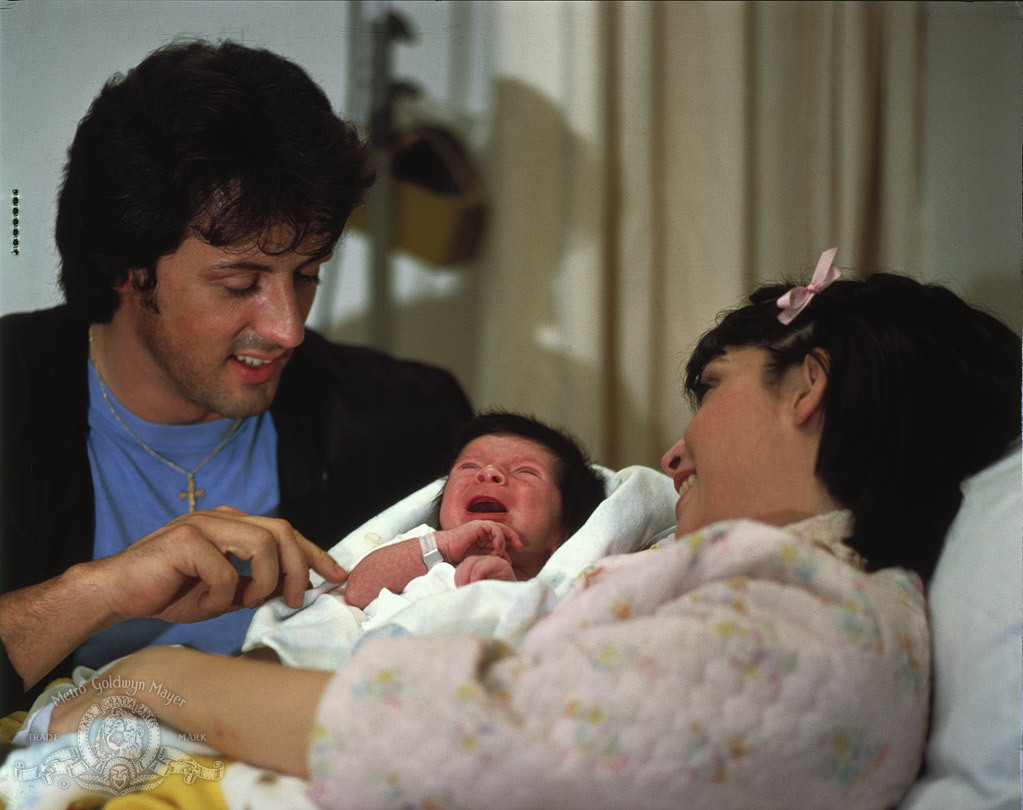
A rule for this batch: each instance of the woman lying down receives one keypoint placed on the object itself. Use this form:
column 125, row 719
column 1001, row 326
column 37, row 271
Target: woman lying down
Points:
column 774, row 655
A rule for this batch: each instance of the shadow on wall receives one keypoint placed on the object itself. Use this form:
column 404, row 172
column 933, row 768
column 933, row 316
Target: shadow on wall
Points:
column 525, row 326
column 437, row 331
column 544, row 331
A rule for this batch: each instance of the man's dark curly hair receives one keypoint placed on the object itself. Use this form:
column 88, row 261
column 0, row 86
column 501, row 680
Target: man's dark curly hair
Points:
column 223, row 142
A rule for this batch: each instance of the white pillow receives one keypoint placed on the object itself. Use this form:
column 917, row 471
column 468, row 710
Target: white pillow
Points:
column 972, row 760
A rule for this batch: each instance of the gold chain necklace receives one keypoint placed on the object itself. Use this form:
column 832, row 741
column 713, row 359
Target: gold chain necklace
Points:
column 191, row 493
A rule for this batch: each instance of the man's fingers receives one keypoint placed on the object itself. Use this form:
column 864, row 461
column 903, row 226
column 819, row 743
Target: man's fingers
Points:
column 298, row 555
column 198, row 547
column 280, row 558
column 320, row 561
column 265, row 564
column 218, row 578
column 244, row 583
column 272, row 548
column 255, row 542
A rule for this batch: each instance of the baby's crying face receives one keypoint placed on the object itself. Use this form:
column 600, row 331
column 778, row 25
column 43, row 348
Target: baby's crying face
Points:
column 513, row 481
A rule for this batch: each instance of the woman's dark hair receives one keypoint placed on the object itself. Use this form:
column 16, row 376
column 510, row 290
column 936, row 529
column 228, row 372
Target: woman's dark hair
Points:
column 923, row 390
column 581, row 486
column 222, row 141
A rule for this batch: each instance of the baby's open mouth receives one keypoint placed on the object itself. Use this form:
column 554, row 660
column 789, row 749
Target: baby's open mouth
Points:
column 486, row 506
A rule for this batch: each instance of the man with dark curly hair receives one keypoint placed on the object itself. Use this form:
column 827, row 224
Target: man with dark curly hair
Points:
column 203, row 192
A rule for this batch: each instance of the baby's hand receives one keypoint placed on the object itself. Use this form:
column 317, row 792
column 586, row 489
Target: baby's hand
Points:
column 477, row 537
column 475, row 568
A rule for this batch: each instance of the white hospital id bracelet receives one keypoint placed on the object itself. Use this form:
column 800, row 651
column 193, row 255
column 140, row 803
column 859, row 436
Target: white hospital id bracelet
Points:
column 431, row 554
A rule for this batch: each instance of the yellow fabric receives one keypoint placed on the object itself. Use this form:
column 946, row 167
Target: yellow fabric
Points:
column 174, row 794
column 171, row 794
column 10, row 724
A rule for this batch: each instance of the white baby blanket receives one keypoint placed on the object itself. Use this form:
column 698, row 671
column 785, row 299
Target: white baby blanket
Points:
column 638, row 509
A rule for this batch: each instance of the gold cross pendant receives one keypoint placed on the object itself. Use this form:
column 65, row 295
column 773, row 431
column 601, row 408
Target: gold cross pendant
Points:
column 192, row 493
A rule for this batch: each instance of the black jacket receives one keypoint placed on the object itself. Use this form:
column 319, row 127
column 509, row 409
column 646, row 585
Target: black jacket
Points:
column 356, row 431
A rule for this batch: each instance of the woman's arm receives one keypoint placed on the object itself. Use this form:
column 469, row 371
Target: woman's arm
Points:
column 251, row 710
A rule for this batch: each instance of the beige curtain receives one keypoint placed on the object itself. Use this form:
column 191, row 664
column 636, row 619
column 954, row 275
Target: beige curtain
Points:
column 653, row 162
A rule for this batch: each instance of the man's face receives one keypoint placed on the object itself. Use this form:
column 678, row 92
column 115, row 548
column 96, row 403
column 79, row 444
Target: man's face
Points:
column 214, row 336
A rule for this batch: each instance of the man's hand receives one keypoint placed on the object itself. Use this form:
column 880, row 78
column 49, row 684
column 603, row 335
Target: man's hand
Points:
column 475, row 568
column 477, row 537
column 181, row 572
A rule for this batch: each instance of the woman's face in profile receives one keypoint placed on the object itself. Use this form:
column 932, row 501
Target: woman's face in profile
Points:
column 734, row 460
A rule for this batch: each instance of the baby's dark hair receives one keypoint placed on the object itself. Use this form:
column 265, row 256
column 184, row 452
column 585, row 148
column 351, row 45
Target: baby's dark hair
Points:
column 923, row 390
column 222, row 141
column 582, row 487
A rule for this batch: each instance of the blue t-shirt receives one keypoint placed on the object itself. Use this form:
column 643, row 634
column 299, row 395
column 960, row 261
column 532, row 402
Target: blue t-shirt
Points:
column 136, row 494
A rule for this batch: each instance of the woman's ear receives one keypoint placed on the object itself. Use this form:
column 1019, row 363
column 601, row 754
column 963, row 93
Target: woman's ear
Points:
column 812, row 382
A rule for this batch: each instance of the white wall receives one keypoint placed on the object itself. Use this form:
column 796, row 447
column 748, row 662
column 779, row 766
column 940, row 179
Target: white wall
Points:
column 54, row 57
column 973, row 153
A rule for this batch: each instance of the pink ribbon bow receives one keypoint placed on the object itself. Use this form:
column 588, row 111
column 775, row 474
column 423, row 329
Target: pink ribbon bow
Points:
column 795, row 300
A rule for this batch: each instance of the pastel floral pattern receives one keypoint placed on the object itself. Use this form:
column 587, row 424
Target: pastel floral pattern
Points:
column 716, row 758
column 743, row 666
column 850, row 756
column 383, row 685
